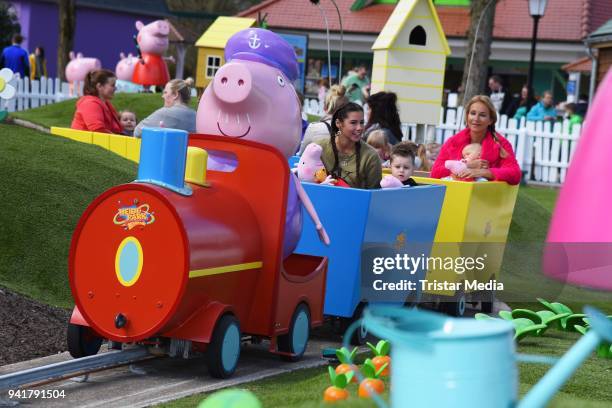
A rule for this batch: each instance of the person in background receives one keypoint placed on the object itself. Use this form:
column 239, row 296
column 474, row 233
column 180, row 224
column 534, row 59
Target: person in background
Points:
column 384, row 115
column 500, row 97
column 304, row 121
column 522, row 104
column 128, row 121
column 574, row 118
column 378, row 141
column 38, row 64
column 16, row 58
column 357, row 85
column 497, row 160
column 345, row 156
column 175, row 113
column 543, row 110
column 322, row 92
column 322, row 129
column 94, row 110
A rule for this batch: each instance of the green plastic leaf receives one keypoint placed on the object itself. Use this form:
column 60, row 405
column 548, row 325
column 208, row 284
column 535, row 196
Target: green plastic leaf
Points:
column 383, row 347
column 372, row 348
column 344, row 356
column 482, row 316
column 546, row 304
column 380, row 370
column 580, row 329
column 349, row 376
column 604, row 350
column 551, row 319
column 569, row 322
column 526, row 314
column 506, row 315
column 561, row 308
column 368, row 368
column 332, row 374
column 523, row 331
column 341, row 381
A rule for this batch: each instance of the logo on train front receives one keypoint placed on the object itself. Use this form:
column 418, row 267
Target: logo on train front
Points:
column 134, row 215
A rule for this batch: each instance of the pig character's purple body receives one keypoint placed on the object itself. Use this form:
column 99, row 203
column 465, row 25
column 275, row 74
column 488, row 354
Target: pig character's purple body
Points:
column 252, row 97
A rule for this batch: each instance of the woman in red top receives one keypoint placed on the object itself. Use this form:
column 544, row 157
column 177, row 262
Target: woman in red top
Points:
column 94, row 111
column 497, row 161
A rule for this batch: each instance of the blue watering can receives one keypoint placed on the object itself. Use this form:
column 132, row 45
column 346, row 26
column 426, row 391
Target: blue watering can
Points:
column 439, row 361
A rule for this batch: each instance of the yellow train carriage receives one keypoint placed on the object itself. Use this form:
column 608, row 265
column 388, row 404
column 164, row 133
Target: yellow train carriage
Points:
column 474, row 224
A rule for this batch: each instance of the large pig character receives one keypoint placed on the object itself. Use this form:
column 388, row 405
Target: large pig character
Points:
column 152, row 42
column 78, row 67
column 124, row 71
column 252, row 97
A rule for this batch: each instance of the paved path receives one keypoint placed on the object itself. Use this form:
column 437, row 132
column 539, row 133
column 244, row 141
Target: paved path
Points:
column 168, row 379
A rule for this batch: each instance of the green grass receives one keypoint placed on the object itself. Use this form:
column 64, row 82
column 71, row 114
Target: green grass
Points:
column 46, row 184
column 589, row 387
column 60, row 114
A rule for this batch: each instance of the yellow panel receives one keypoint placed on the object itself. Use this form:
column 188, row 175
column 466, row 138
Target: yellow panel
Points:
column 201, row 68
column 101, row 139
column 222, row 29
column 132, row 149
column 117, row 144
column 83, row 136
column 478, row 213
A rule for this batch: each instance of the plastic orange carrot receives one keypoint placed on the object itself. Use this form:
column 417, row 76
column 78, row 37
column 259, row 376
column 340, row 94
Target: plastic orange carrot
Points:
column 346, row 358
column 371, row 384
column 337, row 391
column 381, row 356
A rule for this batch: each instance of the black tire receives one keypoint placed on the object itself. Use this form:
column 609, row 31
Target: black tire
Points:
column 296, row 340
column 359, row 336
column 456, row 305
column 223, row 350
column 82, row 341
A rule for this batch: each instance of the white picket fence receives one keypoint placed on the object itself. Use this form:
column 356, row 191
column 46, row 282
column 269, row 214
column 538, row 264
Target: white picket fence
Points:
column 32, row 94
column 543, row 150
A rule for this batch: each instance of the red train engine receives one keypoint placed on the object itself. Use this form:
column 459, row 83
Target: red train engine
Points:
column 194, row 266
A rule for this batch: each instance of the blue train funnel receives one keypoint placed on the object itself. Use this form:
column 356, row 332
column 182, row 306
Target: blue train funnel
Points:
column 163, row 153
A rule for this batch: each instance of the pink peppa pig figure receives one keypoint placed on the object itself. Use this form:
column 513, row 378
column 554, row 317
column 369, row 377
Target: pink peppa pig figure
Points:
column 152, row 40
column 124, row 71
column 389, row 181
column 78, row 67
column 310, row 167
column 252, row 97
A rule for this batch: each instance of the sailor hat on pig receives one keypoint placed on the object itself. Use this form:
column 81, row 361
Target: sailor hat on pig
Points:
column 259, row 45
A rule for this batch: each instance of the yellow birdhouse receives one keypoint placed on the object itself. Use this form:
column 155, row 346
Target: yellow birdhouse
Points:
column 410, row 60
column 211, row 46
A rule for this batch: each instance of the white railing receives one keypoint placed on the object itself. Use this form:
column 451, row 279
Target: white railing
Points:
column 542, row 149
column 32, row 94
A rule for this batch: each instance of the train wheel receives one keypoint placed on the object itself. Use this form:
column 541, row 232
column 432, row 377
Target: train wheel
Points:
column 360, row 336
column 296, row 340
column 82, row 341
column 224, row 348
column 455, row 307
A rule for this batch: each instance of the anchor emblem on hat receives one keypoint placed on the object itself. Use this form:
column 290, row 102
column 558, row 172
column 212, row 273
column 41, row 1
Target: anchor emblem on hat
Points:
column 254, row 41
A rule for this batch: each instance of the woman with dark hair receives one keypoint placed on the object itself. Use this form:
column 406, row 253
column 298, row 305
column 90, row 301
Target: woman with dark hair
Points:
column 521, row 104
column 384, row 116
column 345, row 156
column 497, row 162
column 94, row 111
column 38, row 64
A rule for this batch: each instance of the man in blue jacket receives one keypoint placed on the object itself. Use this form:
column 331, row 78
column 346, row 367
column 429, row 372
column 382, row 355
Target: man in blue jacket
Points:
column 543, row 110
column 16, row 58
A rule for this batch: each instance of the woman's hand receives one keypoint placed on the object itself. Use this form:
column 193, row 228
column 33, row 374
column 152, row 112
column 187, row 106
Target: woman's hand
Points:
column 478, row 164
column 475, row 173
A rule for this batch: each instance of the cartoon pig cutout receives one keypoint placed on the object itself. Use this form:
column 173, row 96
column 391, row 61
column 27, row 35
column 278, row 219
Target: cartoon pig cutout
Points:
column 125, row 67
column 78, row 67
column 252, row 97
column 310, row 167
column 152, row 42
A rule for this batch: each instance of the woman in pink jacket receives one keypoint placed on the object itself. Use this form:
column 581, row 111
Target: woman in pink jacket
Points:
column 94, row 111
column 497, row 161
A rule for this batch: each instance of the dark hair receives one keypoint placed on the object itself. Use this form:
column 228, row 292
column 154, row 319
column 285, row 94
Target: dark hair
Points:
column 17, row 38
column 404, row 149
column 340, row 114
column 497, row 79
column 93, row 78
column 571, row 106
column 530, row 100
column 383, row 111
column 41, row 50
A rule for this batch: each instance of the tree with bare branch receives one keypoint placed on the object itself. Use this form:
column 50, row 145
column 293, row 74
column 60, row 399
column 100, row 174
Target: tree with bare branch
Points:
column 67, row 28
column 482, row 16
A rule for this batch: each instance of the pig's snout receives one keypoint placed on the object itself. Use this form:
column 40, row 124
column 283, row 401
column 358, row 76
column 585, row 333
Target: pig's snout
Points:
column 232, row 83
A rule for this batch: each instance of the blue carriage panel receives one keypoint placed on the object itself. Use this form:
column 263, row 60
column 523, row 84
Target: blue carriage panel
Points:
column 354, row 217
